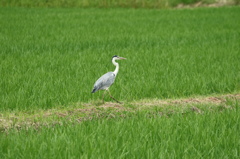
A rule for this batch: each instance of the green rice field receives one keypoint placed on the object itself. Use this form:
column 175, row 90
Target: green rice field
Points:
column 190, row 135
column 180, row 83
column 52, row 57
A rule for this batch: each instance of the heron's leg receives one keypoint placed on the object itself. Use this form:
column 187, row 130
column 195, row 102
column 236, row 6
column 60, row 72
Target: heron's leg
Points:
column 113, row 97
column 103, row 96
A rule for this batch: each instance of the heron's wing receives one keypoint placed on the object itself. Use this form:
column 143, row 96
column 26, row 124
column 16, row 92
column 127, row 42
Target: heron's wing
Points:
column 104, row 81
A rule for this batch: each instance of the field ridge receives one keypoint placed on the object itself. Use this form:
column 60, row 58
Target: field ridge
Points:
column 87, row 111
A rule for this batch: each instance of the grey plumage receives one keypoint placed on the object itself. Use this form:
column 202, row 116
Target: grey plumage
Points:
column 106, row 80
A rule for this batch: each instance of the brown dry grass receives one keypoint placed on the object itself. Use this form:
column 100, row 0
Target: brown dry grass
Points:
column 217, row 3
column 197, row 100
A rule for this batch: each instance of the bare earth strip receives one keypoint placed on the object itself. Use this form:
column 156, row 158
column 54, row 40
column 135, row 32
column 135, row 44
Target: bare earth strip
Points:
column 88, row 111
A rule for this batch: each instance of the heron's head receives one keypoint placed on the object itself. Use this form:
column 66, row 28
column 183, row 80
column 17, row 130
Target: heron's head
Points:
column 115, row 57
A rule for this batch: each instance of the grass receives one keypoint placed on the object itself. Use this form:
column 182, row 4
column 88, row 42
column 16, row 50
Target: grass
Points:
column 211, row 134
column 82, row 112
column 52, row 57
column 109, row 3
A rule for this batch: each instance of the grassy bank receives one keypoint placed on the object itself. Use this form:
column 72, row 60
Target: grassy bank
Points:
column 111, row 3
column 213, row 133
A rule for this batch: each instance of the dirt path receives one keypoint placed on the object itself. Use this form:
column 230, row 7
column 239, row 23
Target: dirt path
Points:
column 87, row 111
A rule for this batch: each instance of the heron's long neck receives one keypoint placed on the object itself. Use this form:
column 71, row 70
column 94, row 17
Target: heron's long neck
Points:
column 117, row 67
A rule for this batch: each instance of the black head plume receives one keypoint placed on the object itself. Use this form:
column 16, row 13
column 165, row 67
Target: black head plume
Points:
column 114, row 56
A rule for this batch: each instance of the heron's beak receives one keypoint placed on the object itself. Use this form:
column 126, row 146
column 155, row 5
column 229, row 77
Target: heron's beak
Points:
column 122, row 58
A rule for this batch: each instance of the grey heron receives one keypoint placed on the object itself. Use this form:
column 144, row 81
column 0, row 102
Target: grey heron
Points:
column 106, row 80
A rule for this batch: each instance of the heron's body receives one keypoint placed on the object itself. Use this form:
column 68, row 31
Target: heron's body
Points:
column 106, row 80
